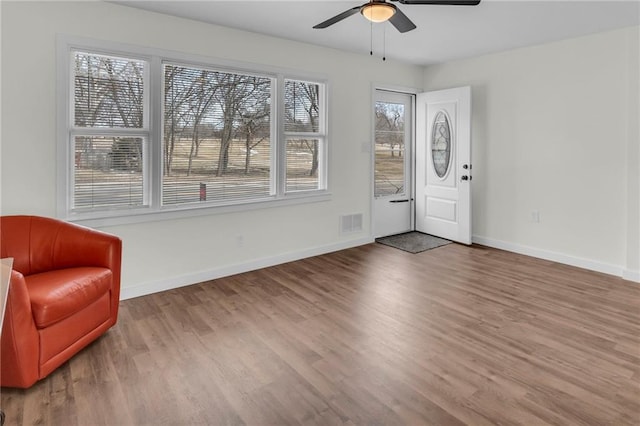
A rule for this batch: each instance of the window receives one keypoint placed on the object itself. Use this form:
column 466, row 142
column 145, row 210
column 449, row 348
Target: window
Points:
column 217, row 136
column 108, row 135
column 390, row 153
column 153, row 132
column 304, row 140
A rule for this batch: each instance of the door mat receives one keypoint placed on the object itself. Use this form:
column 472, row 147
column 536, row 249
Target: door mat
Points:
column 413, row 242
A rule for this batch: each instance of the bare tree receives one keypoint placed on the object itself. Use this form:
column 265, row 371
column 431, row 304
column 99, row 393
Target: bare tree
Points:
column 109, row 93
column 254, row 124
column 199, row 107
column 201, row 103
column 390, row 126
column 238, row 96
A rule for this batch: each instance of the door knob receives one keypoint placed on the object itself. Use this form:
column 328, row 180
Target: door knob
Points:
column 465, row 177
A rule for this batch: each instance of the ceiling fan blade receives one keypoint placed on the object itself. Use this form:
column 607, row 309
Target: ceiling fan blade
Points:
column 338, row 18
column 401, row 22
column 442, row 2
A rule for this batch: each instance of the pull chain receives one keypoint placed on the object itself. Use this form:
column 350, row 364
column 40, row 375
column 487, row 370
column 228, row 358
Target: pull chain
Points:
column 384, row 41
column 371, row 38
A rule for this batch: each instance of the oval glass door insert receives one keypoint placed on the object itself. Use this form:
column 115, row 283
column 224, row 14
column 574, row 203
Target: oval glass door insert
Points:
column 441, row 144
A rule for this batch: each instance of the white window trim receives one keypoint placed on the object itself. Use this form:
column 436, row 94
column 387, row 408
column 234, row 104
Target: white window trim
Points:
column 322, row 138
column 153, row 174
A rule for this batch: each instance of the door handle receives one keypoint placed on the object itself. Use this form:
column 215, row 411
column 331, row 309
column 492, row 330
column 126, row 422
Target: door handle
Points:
column 465, row 177
column 399, row 201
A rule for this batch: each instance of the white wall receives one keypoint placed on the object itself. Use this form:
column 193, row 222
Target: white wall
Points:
column 164, row 254
column 555, row 130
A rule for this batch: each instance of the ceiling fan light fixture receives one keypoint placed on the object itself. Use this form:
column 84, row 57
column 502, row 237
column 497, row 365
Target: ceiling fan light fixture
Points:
column 378, row 11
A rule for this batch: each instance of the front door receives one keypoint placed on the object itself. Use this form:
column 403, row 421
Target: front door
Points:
column 393, row 204
column 443, row 164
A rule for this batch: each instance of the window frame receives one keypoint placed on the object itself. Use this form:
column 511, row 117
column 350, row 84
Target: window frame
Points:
column 152, row 134
column 273, row 137
column 319, row 135
column 142, row 132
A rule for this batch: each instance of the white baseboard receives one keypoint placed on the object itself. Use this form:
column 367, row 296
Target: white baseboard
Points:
column 198, row 277
column 631, row 275
column 579, row 262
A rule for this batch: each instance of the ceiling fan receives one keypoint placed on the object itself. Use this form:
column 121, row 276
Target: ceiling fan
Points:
column 381, row 11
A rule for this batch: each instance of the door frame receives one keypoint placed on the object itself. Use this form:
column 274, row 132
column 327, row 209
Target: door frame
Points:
column 370, row 148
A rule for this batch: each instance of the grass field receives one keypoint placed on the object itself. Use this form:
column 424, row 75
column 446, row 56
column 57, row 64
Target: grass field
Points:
column 102, row 186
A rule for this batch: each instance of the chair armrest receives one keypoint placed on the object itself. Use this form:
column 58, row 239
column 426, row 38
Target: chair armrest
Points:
column 19, row 341
column 79, row 246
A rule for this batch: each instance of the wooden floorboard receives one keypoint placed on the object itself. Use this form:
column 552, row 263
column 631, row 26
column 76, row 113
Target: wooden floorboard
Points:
column 371, row 335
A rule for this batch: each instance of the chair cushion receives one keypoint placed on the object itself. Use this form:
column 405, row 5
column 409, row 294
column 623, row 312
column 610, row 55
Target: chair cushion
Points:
column 58, row 294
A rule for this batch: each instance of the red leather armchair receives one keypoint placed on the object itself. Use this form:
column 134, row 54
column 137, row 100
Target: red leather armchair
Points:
column 64, row 294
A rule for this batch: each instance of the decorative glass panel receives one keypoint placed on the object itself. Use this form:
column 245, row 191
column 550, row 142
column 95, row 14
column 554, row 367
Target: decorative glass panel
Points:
column 441, row 144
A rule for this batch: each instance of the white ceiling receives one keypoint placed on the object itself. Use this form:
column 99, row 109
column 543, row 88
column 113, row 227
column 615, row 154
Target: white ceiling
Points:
column 444, row 33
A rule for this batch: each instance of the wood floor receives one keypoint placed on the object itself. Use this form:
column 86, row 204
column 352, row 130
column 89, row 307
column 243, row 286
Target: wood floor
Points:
column 371, row 335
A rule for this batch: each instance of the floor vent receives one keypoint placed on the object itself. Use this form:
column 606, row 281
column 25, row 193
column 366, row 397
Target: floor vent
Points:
column 351, row 223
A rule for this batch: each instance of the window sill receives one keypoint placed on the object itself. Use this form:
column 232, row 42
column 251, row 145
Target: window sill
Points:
column 118, row 217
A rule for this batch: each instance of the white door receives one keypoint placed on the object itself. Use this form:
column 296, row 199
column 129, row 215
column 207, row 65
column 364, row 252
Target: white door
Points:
column 393, row 204
column 443, row 164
